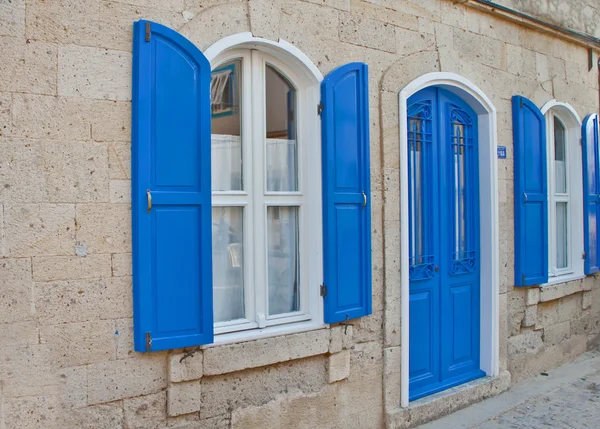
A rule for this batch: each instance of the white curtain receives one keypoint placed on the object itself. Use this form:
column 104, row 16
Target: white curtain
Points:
column 281, row 165
column 226, row 163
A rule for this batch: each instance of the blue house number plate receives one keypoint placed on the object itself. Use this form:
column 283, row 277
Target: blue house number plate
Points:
column 501, row 152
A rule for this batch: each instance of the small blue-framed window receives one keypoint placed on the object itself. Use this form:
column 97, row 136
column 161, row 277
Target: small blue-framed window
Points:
column 222, row 91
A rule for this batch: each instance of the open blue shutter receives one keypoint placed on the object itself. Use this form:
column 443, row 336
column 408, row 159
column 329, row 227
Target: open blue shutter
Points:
column 591, row 191
column 531, row 193
column 346, row 193
column 172, row 268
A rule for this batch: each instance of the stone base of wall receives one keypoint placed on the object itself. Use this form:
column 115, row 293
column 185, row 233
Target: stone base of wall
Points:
column 441, row 404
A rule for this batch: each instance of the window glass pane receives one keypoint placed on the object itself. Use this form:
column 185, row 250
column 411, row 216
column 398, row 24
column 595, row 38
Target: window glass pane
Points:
column 458, row 143
column 226, row 156
column 561, row 235
column 281, row 162
column 283, row 260
column 560, row 157
column 228, row 263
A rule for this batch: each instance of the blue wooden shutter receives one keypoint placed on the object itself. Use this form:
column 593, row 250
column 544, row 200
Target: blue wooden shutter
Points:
column 172, row 268
column 346, row 193
column 591, row 191
column 531, row 193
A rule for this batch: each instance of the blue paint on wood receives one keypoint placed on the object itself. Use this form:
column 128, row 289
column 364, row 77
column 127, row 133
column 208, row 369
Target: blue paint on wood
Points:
column 346, row 178
column 531, row 194
column 172, row 268
column 591, row 190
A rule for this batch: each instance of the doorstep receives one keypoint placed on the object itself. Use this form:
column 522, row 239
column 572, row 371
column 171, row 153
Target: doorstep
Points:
column 448, row 401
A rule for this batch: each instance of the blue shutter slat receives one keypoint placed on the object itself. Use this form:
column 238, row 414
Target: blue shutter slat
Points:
column 591, row 191
column 531, row 194
column 172, row 267
column 346, row 187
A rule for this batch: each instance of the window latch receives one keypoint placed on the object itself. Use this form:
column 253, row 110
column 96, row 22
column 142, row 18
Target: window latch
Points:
column 364, row 199
column 525, row 197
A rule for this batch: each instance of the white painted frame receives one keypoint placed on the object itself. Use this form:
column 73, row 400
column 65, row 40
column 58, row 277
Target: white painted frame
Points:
column 572, row 122
column 306, row 77
column 488, row 200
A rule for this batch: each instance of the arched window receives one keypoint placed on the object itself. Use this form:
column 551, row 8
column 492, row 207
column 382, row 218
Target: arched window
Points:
column 262, row 192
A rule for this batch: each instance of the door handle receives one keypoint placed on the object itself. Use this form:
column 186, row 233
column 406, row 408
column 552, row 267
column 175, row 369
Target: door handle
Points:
column 525, row 195
column 364, row 199
column 149, row 195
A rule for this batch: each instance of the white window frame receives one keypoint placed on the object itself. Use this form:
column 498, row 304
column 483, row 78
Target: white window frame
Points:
column 574, row 196
column 254, row 199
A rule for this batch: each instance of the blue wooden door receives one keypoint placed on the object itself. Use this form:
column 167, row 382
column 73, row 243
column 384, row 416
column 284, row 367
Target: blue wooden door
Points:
column 444, row 242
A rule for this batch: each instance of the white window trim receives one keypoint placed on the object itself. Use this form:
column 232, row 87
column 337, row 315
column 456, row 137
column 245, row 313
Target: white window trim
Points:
column 572, row 123
column 306, row 78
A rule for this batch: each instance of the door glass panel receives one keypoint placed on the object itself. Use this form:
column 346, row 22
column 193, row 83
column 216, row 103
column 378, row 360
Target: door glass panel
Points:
column 561, row 235
column 419, row 160
column 462, row 158
column 228, row 263
column 283, row 260
column 226, row 156
column 282, row 152
column 560, row 157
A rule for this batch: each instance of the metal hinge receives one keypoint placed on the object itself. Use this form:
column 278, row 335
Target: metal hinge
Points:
column 583, row 255
column 323, row 290
column 320, row 108
column 147, row 32
column 148, row 341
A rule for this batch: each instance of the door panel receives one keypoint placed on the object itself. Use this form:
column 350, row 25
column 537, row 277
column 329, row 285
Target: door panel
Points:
column 444, row 242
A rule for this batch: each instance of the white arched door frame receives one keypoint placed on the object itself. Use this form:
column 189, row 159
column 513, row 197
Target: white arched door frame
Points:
column 488, row 185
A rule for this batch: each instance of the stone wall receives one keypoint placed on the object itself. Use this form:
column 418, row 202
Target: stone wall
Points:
column 66, row 346
column 579, row 15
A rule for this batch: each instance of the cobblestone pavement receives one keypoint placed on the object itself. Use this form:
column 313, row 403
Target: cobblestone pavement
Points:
column 568, row 397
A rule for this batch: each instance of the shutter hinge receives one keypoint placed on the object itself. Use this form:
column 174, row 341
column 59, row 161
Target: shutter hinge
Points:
column 147, row 32
column 323, row 290
column 148, row 341
column 320, row 108
column 583, row 255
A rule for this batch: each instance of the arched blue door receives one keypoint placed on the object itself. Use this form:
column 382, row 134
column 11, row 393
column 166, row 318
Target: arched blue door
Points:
column 443, row 242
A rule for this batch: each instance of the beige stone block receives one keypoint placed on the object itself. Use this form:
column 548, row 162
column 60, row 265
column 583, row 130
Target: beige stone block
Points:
column 124, row 334
column 110, row 381
column 259, row 386
column 211, row 24
column 368, row 328
column 341, row 338
column 385, row 14
column 532, row 296
column 569, row 307
column 426, row 25
column 76, row 171
column 530, row 318
column 68, row 301
column 481, row 49
column 31, row 412
column 521, row 62
column 392, row 357
column 72, row 387
column 46, row 117
column 111, row 71
column 403, row 72
column 12, row 18
column 22, row 172
column 16, row 291
column 338, row 366
column 184, row 398
column 120, row 191
column 104, row 228
column 121, row 264
column 81, row 343
column 586, row 300
column 547, row 314
column 175, row 5
column 366, row 32
column 111, row 121
column 99, row 416
column 336, row 4
column 50, row 268
column 119, row 161
column 27, row 66
column 409, row 42
column 5, row 113
column 264, row 18
column 221, row 359
column 528, row 342
column 27, row 371
column 392, row 325
column 555, row 334
column 18, row 333
column 187, row 369
column 145, row 412
column 453, row 14
column 552, row 292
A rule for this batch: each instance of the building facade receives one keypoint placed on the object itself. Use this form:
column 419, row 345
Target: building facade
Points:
column 400, row 218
